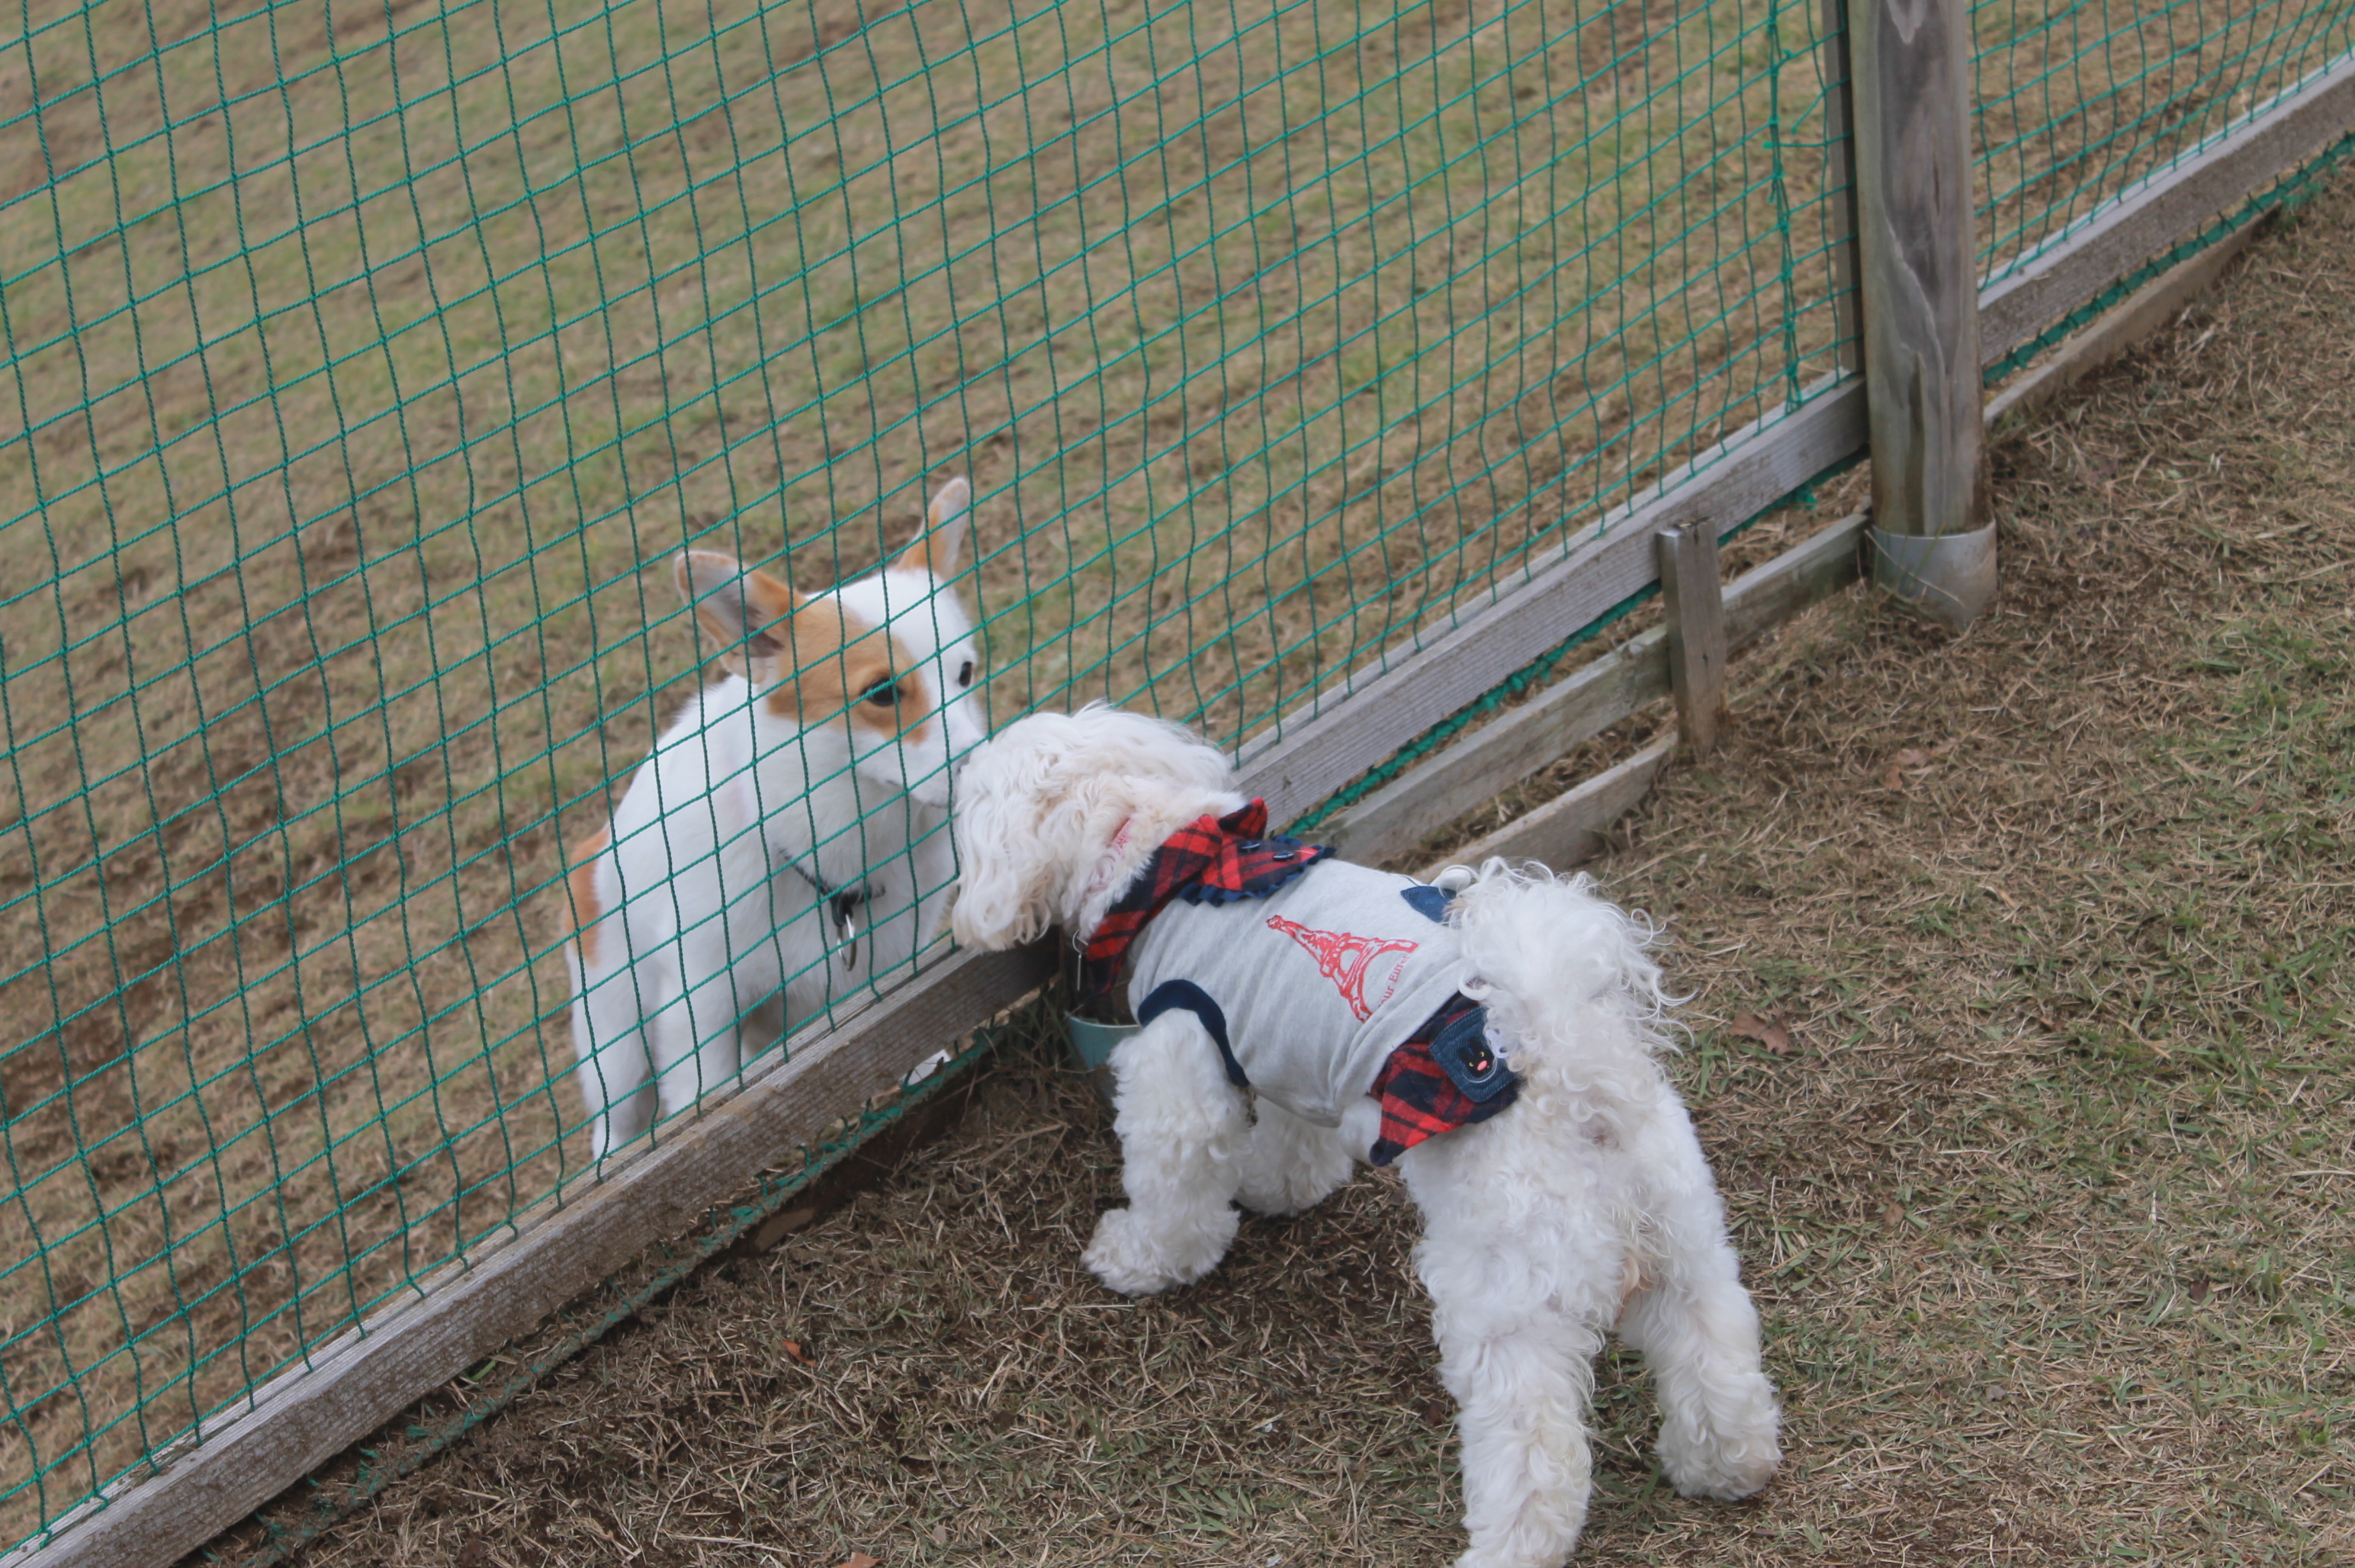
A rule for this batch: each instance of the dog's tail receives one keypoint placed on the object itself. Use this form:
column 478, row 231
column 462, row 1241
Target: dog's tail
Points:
column 1569, row 979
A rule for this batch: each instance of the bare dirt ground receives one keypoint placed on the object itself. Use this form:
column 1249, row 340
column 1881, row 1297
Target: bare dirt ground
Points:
column 2041, row 1171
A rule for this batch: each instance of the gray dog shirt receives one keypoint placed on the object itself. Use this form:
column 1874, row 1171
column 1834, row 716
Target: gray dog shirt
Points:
column 1317, row 982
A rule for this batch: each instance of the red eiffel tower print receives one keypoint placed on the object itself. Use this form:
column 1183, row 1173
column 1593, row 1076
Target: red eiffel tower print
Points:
column 1344, row 958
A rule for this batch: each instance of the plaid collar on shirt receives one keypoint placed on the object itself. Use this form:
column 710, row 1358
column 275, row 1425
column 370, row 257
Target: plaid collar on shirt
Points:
column 1213, row 860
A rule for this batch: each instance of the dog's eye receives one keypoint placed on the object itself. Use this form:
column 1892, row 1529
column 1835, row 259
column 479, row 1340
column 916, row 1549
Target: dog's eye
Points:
column 964, row 673
column 884, row 694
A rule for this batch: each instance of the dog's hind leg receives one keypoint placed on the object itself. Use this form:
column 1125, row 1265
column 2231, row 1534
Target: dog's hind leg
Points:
column 1698, row 1329
column 614, row 1075
column 1291, row 1164
column 1182, row 1129
column 1521, row 1370
column 1523, row 1284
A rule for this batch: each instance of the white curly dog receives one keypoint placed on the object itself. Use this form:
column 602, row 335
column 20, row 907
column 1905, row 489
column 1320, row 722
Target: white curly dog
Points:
column 1562, row 1189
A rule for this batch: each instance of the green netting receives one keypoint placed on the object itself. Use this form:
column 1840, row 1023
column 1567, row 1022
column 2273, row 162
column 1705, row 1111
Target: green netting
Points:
column 367, row 364
column 2284, row 195
column 2076, row 101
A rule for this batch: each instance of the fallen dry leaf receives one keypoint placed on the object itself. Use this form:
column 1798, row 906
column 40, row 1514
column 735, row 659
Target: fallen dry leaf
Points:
column 860, row 1559
column 1914, row 760
column 1773, row 1036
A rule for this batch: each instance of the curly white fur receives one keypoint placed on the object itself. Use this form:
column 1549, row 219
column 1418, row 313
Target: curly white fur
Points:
column 1586, row 1206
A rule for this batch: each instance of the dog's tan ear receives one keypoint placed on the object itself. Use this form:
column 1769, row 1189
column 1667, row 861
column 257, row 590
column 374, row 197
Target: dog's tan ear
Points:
column 744, row 610
column 947, row 521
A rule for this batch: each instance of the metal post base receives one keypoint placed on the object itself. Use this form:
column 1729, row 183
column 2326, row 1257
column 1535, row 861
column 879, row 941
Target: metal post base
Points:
column 1950, row 576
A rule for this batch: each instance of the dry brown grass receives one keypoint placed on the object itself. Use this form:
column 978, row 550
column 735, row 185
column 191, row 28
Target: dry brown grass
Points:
column 2046, row 1203
column 2074, row 101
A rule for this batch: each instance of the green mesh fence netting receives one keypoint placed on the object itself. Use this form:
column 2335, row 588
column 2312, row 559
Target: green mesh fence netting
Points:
column 2076, row 101
column 367, row 364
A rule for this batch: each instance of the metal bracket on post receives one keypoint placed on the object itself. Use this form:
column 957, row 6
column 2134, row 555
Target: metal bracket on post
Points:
column 1932, row 540
column 1951, row 576
column 1695, row 599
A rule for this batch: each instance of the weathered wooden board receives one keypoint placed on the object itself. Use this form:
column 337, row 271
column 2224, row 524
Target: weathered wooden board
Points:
column 1450, row 782
column 1567, row 830
column 1692, row 606
column 1920, row 278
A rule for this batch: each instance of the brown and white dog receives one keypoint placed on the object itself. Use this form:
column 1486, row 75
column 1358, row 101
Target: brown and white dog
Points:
column 790, row 834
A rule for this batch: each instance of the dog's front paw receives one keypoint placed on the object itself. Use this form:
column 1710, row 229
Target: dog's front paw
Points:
column 1130, row 1258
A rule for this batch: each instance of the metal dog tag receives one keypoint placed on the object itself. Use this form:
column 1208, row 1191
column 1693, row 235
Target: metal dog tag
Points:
column 849, row 937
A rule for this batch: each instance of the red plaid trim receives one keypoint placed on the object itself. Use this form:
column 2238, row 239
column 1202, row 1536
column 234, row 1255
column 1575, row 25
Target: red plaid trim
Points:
column 1212, row 859
column 1418, row 1099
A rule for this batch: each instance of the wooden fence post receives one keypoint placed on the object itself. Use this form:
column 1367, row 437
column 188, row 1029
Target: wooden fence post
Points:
column 1931, row 540
column 1693, row 599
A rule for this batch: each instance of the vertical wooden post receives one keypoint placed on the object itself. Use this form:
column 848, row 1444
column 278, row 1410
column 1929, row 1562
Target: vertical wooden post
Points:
column 1694, row 600
column 1932, row 540
column 1839, row 182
